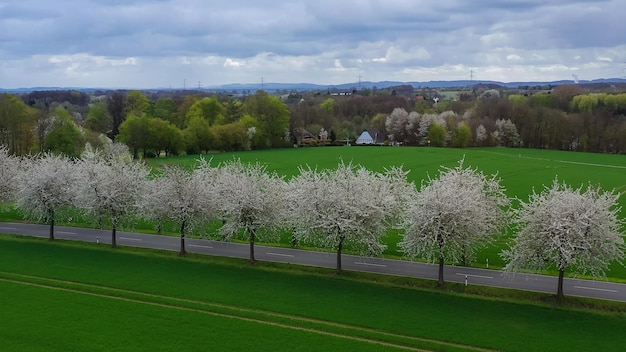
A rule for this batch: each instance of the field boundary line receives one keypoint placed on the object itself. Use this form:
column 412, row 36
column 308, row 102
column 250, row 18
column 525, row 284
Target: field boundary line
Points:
column 560, row 161
column 243, row 310
column 591, row 164
column 217, row 314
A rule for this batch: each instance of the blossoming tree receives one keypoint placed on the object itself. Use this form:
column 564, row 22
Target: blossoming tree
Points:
column 182, row 196
column 45, row 186
column 9, row 168
column 250, row 199
column 110, row 187
column 453, row 215
column 567, row 229
column 349, row 205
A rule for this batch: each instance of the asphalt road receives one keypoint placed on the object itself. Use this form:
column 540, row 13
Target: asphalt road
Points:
column 484, row 277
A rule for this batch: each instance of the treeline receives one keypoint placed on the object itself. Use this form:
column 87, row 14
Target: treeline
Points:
column 64, row 122
column 152, row 124
column 565, row 118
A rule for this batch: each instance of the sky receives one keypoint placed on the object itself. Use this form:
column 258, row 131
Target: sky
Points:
column 191, row 43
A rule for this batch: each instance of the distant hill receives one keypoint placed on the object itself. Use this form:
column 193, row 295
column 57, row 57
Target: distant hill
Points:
column 386, row 84
column 33, row 89
column 344, row 86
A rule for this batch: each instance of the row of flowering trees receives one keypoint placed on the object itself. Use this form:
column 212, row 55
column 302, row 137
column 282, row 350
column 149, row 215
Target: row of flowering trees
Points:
column 445, row 219
column 448, row 129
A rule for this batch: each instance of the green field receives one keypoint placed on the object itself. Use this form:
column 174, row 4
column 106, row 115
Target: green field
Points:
column 519, row 169
column 64, row 296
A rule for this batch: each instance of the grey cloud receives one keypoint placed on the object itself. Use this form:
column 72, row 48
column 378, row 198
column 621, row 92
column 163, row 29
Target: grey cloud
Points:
column 311, row 38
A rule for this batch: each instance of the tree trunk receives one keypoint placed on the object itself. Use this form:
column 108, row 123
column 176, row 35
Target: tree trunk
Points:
column 440, row 282
column 294, row 239
column 182, row 239
column 559, row 291
column 252, row 260
column 51, row 222
column 52, row 228
column 339, row 247
column 223, row 236
column 464, row 256
column 113, row 236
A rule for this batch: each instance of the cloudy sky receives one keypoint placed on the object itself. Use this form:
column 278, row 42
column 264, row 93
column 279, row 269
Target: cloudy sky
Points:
column 169, row 43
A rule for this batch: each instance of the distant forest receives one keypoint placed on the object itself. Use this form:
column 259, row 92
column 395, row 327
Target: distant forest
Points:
column 574, row 117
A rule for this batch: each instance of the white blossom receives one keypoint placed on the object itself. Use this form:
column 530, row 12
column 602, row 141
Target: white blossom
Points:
column 182, row 196
column 347, row 206
column 250, row 199
column 154, row 206
column 412, row 127
column 46, row 186
column 110, row 188
column 427, row 120
column 9, row 169
column 506, row 133
column 453, row 215
column 396, row 124
column 481, row 134
column 567, row 229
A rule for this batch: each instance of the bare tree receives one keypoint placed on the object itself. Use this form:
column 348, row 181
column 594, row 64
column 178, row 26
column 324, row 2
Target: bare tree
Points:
column 346, row 206
column 453, row 215
column 115, row 108
column 45, row 186
column 110, row 187
column 250, row 199
column 567, row 229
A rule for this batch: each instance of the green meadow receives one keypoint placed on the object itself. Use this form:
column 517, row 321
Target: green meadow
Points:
column 521, row 170
column 67, row 296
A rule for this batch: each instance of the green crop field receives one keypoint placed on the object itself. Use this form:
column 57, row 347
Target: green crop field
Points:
column 519, row 169
column 64, row 296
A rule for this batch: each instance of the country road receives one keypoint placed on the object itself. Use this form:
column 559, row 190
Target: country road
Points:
column 484, row 277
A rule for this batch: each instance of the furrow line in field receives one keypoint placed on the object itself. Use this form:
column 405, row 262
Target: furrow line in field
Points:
column 217, row 314
column 268, row 314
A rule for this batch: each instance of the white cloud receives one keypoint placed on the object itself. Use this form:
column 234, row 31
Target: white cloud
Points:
column 233, row 63
column 496, row 39
column 412, row 55
column 514, row 58
column 338, row 65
